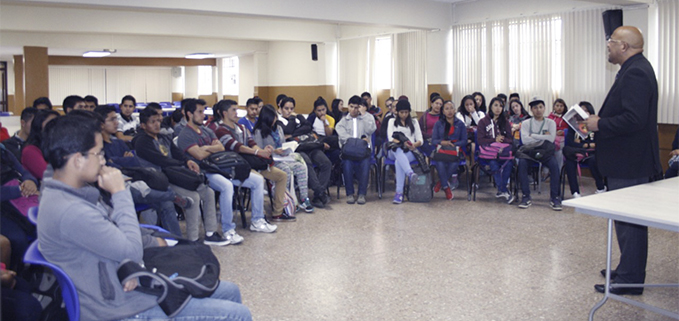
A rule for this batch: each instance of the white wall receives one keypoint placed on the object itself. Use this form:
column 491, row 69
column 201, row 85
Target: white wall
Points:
column 290, row 64
column 191, row 82
column 246, row 78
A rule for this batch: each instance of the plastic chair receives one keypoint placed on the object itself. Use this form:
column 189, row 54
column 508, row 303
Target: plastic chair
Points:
column 33, row 215
column 479, row 165
column 582, row 163
column 68, row 291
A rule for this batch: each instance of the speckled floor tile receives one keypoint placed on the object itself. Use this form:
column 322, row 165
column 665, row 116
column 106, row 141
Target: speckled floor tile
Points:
column 444, row 260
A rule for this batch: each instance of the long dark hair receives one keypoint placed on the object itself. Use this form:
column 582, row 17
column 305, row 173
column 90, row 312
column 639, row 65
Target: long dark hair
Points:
column 462, row 110
column 442, row 117
column 483, row 101
column 523, row 110
column 336, row 112
column 36, row 136
column 266, row 117
column 501, row 118
column 408, row 120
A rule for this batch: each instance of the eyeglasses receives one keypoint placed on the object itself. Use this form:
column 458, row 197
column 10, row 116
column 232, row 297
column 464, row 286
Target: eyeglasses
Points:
column 101, row 154
column 612, row 40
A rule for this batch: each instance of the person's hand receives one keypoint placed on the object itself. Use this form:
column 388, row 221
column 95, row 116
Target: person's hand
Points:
column 410, row 145
column 499, row 138
column 111, row 180
column 362, row 109
column 322, row 118
column 326, row 146
column 269, row 148
column 559, row 133
column 7, row 278
column 674, row 152
column 592, row 123
column 193, row 166
column 161, row 241
column 128, row 154
column 264, row 153
column 516, row 127
column 28, row 188
column 278, row 151
column 592, row 145
column 130, row 285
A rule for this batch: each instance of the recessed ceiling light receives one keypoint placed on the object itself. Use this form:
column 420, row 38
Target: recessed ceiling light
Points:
column 199, row 56
column 97, row 54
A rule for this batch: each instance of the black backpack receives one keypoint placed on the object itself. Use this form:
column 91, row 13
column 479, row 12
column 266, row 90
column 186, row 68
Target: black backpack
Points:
column 229, row 164
column 174, row 274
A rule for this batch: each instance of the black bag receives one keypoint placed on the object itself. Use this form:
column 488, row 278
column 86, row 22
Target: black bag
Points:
column 445, row 154
column 307, row 143
column 154, row 178
column 355, row 149
column 332, row 141
column 174, row 273
column 541, row 153
column 184, row 177
column 420, row 190
column 257, row 163
column 229, row 164
column 403, row 140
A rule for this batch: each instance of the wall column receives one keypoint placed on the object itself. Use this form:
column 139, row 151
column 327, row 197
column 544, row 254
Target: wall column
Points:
column 36, row 74
column 19, row 99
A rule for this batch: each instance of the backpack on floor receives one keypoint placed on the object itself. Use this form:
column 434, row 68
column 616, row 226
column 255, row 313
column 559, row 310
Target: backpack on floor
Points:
column 174, row 274
column 420, row 190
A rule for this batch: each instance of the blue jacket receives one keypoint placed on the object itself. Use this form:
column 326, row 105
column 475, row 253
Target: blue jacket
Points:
column 459, row 136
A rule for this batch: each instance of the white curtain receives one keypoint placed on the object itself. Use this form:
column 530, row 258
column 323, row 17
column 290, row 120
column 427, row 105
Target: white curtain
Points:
column 409, row 55
column 354, row 71
column 668, row 68
column 550, row 56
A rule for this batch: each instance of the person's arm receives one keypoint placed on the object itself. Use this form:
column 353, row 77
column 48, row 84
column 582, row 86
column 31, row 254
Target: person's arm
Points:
column 146, row 149
column 227, row 140
column 437, row 133
column 461, row 130
column 303, row 128
column 327, row 128
column 342, row 129
column 636, row 94
column 482, row 136
column 419, row 140
column 508, row 137
column 390, row 129
column 368, row 124
column 526, row 138
column 118, row 241
column 551, row 131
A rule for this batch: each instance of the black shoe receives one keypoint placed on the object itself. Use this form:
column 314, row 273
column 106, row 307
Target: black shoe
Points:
column 613, row 273
column 283, row 218
column 619, row 291
column 325, row 199
column 317, row 202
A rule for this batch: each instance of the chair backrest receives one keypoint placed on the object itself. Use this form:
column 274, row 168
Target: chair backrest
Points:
column 68, row 291
column 33, row 215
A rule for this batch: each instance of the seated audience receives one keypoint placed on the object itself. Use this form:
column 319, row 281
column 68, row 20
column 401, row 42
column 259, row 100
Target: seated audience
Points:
column 576, row 150
column 470, row 115
column 558, row 110
column 372, row 109
column 534, row 132
column 427, row 122
column 337, row 113
column 128, row 124
column 91, row 102
column 248, row 121
column 31, row 154
column 42, row 103
column 361, row 125
column 517, row 114
column 448, row 131
column 72, row 102
column 495, row 128
column 16, row 142
column 673, row 168
column 480, row 101
column 233, row 136
column 98, row 237
column 158, row 151
column 403, row 123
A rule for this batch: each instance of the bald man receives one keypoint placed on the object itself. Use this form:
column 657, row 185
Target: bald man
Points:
column 627, row 145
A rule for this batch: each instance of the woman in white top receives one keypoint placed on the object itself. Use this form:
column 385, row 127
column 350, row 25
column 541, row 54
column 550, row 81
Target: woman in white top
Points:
column 405, row 124
column 470, row 116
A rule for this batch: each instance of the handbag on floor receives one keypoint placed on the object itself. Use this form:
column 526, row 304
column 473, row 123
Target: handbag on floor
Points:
column 421, row 189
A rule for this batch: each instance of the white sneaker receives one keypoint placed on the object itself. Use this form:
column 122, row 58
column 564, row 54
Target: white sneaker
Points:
column 599, row 191
column 576, row 195
column 233, row 237
column 261, row 225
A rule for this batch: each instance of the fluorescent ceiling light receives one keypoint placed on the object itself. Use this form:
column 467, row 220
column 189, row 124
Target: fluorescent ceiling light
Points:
column 199, row 56
column 103, row 53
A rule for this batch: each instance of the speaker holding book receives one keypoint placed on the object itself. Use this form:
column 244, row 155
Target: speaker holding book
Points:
column 612, row 20
column 314, row 52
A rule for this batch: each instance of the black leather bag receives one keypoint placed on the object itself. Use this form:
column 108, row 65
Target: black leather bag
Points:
column 184, row 177
column 257, row 163
column 355, row 149
column 541, row 153
column 229, row 164
column 155, row 179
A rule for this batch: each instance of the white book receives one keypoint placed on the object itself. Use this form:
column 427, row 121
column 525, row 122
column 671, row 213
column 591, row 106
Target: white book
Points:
column 575, row 118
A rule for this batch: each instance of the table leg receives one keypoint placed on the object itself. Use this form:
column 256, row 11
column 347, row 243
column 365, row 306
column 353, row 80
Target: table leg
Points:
column 608, row 271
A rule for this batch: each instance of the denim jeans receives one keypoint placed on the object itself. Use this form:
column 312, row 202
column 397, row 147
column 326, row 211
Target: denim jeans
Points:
column 255, row 183
column 402, row 163
column 207, row 196
column 224, row 186
column 224, row 304
column 554, row 176
column 446, row 170
column 162, row 202
column 501, row 176
column 361, row 169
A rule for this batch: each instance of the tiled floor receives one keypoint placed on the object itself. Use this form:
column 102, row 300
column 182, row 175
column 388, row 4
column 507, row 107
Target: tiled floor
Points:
column 443, row 260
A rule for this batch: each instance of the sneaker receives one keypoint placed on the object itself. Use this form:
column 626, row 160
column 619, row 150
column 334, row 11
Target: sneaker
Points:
column 183, row 202
column 502, row 194
column 361, row 199
column 261, row 225
column 576, row 195
column 449, row 193
column 454, row 182
column 217, row 239
column 525, row 202
column 351, row 199
column 555, row 204
column 510, row 198
column 325, row 198
column 599, row 191
column 398, row 198
column 317, row 202
column 306, row 206
column 412, row 176
column 283, row 218
column 437, row 187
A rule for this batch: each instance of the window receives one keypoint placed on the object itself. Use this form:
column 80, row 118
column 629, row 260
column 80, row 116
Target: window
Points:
column 230, row 84
column 382, row 67
column 204, row 80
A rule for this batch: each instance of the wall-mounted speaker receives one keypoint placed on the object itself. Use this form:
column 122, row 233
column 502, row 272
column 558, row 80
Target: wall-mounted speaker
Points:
column 176, row 72
column 314, row 52
column 612, row 20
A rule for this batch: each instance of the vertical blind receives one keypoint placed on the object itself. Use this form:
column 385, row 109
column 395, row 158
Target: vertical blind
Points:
column 410, row 68
column 668, row 69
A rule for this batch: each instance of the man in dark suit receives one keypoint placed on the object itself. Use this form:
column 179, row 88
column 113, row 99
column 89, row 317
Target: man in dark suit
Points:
column 627, row 145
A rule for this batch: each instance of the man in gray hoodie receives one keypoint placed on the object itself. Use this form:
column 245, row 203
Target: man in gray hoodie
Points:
column 88, row 238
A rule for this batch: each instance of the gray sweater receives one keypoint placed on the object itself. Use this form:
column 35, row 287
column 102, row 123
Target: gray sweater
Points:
column 88, row 241
column 268, row 141
column 364, row 126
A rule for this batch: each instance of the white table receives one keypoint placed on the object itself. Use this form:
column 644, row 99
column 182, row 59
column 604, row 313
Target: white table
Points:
column 654, row 205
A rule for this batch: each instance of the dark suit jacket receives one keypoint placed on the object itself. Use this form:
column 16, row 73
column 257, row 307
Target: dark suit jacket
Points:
column 627, row 140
